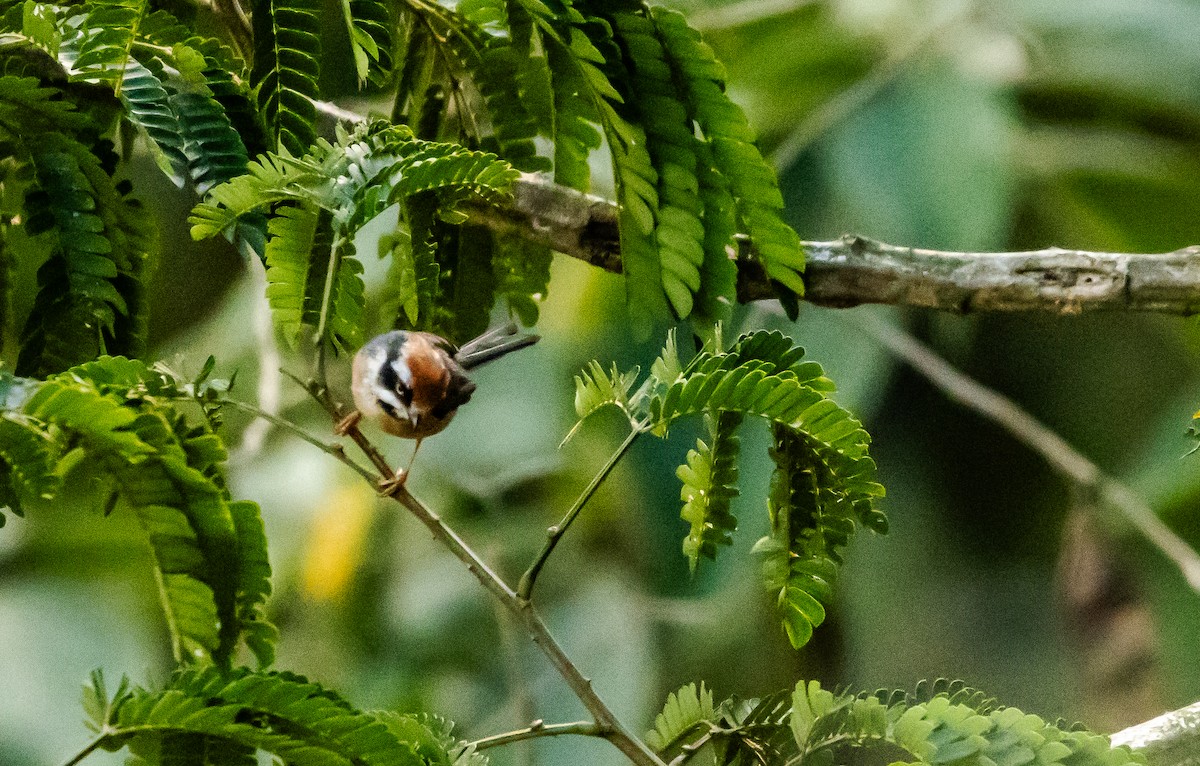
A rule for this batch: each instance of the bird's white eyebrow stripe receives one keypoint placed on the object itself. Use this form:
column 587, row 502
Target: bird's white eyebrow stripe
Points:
column 403, row 371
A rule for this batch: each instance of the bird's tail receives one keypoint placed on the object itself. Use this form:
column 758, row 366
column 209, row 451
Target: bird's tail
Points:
column 493, row 344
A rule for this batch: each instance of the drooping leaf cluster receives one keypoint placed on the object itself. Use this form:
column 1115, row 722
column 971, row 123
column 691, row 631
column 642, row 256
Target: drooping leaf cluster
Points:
column 167, row 469
column 318, row 203
column 76, row 76
column 540, row 85
column 823, row 488
column 206, row 716
column 630, row 78
column 944, row 724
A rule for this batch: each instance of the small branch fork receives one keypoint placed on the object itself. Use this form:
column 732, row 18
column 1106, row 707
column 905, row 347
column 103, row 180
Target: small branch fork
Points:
column 605, row 723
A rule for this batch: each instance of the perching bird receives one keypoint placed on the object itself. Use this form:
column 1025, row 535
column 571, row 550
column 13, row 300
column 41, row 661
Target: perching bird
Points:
column 412, row 383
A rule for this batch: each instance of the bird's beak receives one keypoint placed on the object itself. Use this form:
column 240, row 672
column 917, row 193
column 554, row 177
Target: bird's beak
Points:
column 414, row 417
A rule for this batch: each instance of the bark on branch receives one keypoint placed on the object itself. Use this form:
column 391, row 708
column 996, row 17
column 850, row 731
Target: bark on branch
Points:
column 852, row 271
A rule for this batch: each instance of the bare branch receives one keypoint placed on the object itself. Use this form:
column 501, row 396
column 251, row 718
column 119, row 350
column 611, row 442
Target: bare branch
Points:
column 539, row 729
column 1061, row 456
column 853, row 271
column 1169, row 740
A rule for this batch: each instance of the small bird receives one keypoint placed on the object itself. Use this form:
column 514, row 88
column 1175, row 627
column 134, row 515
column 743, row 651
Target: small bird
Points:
column 412, row 383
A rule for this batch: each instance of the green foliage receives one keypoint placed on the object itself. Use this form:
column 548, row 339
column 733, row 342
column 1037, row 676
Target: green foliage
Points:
column 89, row 290
column 287, row 53
column 709, row 484
column 317, row 204
column 328, row 196
column 488, row 74
column 751, row 180
column 824, row 485
column 91, row 287
column 687, row 711
column 209, row 551
column 369, row 24
column 637, row 81
column 243, row 712
column 939, row 724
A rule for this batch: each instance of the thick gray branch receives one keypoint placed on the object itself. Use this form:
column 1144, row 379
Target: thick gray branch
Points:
column 1172, row 739
column 853, row 270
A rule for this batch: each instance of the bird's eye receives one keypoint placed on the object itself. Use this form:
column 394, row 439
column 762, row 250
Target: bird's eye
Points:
column 406, row 394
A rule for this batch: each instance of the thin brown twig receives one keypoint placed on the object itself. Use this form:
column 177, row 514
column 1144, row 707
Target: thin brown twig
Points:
column 1033, row 434
column 615, row 732
column 538, row 729
column 336, row 450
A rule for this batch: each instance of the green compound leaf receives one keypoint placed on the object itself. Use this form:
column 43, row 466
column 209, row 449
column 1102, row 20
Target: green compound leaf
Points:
column 214, row 150
column 751, row 180
column 709, row 484
column 372, row 170
column 209, row 551
column 686, row 713
column 369, row 25
column 809, row 724
column 824, row 485
column 285, row 715
column 945, row 728
column 287, row 51
column 90, row 289
column 28, row 463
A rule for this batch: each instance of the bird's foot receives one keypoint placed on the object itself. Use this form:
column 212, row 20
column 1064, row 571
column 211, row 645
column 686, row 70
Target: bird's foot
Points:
column 348, row 423
column 389, row 487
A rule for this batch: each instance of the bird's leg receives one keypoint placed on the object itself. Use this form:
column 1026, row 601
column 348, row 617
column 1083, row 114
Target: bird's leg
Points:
column 347, row 423
column 388, row 487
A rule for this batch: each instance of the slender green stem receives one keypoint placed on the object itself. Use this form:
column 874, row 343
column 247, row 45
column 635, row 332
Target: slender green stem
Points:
column 84, row 753
column 690, row 749
column 555, row 533
column 539, row 729
column 335, row 260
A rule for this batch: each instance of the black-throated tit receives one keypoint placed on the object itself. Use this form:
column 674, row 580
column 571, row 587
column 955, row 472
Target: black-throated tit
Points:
column 412, row 383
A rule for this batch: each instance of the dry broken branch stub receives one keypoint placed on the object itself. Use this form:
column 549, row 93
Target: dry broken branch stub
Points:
column 853, row 271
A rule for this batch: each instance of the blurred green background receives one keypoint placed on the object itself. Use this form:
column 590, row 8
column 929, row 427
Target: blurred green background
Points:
column 989, row 126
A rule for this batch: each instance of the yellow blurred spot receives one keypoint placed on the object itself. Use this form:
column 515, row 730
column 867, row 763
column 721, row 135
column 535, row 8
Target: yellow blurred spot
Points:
column 336, row 542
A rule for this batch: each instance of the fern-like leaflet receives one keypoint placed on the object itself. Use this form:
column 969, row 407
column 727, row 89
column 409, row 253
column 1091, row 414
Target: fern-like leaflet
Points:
column 369, row 24
column 809, row 724
column 209, row 551
column 824, row 486
column 947, row 727
column 90, row 289
column 287, row 51
column 352, row 181
column 637, row 79
column 282, row 714
column 752, row 182
column 709, row 484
